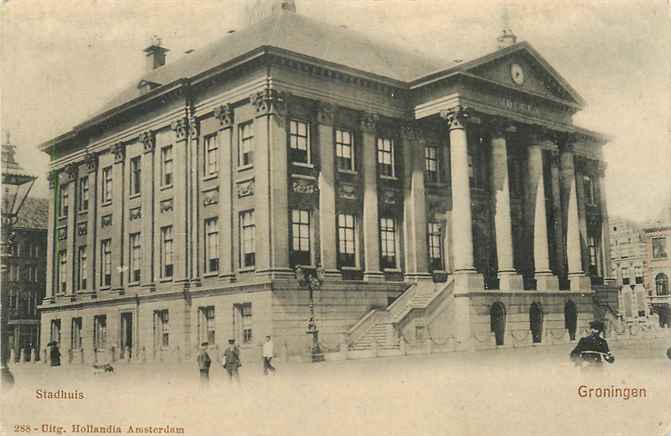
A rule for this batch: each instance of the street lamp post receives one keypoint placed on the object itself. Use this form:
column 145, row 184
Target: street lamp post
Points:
column 16, row 185
column 312, row 278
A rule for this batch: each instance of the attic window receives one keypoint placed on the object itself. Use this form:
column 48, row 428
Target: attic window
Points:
column 145, row 86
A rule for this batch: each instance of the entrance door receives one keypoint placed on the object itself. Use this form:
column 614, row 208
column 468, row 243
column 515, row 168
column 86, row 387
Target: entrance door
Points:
column 498, row 321
column 126, row 334
column 536, row 322
column 571, row 318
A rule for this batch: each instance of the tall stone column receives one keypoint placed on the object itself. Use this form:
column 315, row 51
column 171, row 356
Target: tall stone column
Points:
column 465, row 274
column 371, row 221
column 272, row 189
column 509, row 278
column 545, row 279
column 91, row 162
column 577, row 277
column 605, row 234
column 148, row 141
column 327, row 197
column 118, row 194
column 414, row 206
column 560, row 257
column 51, row 236
column 181, row 208
column 225, row 115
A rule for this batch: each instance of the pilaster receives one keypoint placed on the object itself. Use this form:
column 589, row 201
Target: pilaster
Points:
column 371, row 223
column 181, row 209
column 605, row 234
column 148, row 141
column 51, row 235
column 225, row 115
column 91, row 166
column 118, row 184
column 194, row 223
column 71, row 173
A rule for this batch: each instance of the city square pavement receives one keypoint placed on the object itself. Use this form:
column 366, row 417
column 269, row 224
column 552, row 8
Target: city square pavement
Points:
column 530, row 391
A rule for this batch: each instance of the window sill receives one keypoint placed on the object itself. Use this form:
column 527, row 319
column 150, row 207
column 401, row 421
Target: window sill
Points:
column 383, row 177
column 303, row 164
column 245, row 167
column 350, row 268
column 210, row 177
column 105, row 288
column 83, row 211
column 165, row 187
column 352, row 172
column 211, row 274
column 133, row 284
column 438, row 271
column 106, row 203
column 247, row 269
column 134, row 196
column 165, row 280
column 391, row 270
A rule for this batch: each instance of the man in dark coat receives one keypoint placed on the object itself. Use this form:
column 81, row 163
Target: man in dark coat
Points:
column 592, row 349
column 54, row 354
column 204, row 363
column 232, row 360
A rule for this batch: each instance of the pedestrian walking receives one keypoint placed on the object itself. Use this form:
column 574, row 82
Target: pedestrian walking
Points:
column 54, row 354
column 268, row 352
column 204, row 362
column 232, row 361
column 592, row 350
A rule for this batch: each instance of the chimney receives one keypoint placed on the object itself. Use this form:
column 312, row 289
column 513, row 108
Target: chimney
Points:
column 155, row 54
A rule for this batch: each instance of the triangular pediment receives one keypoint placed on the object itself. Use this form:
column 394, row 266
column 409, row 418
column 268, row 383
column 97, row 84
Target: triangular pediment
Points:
column 521, row 67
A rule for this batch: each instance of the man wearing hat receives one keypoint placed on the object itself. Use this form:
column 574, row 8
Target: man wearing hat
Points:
column 54, row 354
column 204, row 363
column 593, row 349
column 232, row 360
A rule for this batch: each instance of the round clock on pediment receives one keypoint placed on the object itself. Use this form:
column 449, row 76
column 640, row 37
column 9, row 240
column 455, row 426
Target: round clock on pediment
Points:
column 517, row 74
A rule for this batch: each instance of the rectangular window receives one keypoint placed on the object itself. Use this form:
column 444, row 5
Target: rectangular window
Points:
column 107, row 185
column 244, row 313
column 211, row 145
column 161, row 329
column 207, row 325
column 388, row 242
column 299, row 141
column 55, row 332
column 385, row 157
column 62, row 271
column 135, row 175
column 106, row 263
column 166, row 166
column 83, row 268
column 593, row 255
column 431, row 163
column 135, row 257
column 100, row 332
column 211, row 245
column 344, row 150
column 300, row 237
column 76, row 337
column 166, row 252
column 65, row 199
column 659, row 248
column 589, row 190
column 638, row 274
column 435, row 246
column 247, row 239
column 246, row 144
column 625, row 276
column 346, row 240
column 84, row 193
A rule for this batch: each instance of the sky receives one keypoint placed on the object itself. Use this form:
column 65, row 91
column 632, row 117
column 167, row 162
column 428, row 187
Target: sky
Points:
column 62, row 60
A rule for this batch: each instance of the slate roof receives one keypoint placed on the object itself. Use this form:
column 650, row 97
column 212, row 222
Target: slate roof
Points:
column 34, row 214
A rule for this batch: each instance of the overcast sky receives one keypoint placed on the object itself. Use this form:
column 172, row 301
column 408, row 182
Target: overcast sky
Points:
column 61, row 60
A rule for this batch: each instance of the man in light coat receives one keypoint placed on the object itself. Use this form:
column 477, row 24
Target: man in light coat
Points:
column 268, row 356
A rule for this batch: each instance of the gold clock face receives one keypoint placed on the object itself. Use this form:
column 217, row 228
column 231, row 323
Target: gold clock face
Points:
column 517, row 74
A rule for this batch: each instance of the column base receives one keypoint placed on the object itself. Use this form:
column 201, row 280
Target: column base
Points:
column 510, row 281
column 418, row 277
column 546, row 281
column 468, row 280
column 580, row 282
column 373, row 276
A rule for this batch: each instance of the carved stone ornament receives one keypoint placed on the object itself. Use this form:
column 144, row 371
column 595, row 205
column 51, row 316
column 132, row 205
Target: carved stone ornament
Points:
column 91, row 162
column 246, row 188
column 210, row 197
column 135, row 213
column 456, row 117
column 269, row 101
column 147, row 140
column 325, row 113
column 409, row 132
column 82, row 229
column 347, row 191
column 555, row 158
column 106, row 221
column 119, row 151
column 166, row 206
column 180, row 127
column 389, row 197
column 62, row 233
column 302, row 186
column 71, row 171
column 225, row 115
column 368, row 121
column 193, row 127
column 53, row 177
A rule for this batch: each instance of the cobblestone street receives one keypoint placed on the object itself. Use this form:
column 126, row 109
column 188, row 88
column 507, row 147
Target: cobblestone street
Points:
column 531, row 391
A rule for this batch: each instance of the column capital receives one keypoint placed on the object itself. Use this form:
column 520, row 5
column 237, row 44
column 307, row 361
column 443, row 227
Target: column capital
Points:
column 567, row 147
column 368, row 121
column 53, row 177
column 224, row 113
column 269, row 102
column 325, row 113
column 555, row 158
column 180, row 126
column 71, row 171
column 193, row 127
column 456, row 117
column 118, row 149
column 147, row 140
column 409, row 133
column 91, row 162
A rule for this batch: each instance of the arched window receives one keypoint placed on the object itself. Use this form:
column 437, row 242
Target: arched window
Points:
column 536, row 322
column 497, row 315
column 662, row 284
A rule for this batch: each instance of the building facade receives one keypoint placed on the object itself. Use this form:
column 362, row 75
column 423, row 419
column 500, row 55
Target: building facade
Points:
column 453, row 197
column 627, row 251
column 658, row 272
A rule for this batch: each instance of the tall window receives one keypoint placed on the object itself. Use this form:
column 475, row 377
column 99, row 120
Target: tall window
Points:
column 166, row 166
column 247, row 239
column 207, row 325
column 83, row 267
column 135, row 257
column 388, row 242
column 638, row 274
column 212, row 245
column 65, row 200
column 244, row 315
column 593, row 255
column 346, row 240
column 211, row 145
column 588, row 184
column 662, row 284
column 55, row 332
column 106, row 262
column 299, row 141
column 625, row 276
column 84, row 193
column 431, row 163
column 161, row 329
column 435, row 246
column 99, row 332
column 166, row 252
column 246, row 144
column 385, row 156
column 659, row 248
column 135, row 175
column 344, row 150
column 107, row 185
column 62, row 271
column 300, row 237
column 76, row 337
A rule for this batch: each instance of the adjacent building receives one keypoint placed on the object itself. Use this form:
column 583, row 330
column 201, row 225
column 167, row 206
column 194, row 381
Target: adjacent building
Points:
column 455, row 197
column 627, row 251
column 658, row 272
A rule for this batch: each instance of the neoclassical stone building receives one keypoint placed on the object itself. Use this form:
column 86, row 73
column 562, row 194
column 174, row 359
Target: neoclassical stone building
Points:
column 455, row 200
